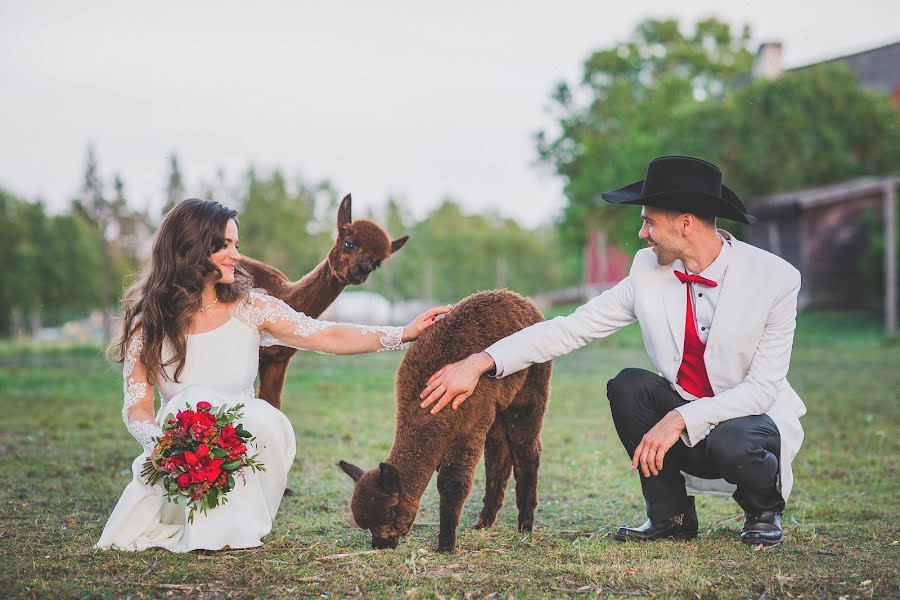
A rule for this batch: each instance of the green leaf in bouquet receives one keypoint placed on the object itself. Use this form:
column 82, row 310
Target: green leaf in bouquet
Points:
column 219, row 452
column 232, row 466
column 230, row 481
column 212, row 497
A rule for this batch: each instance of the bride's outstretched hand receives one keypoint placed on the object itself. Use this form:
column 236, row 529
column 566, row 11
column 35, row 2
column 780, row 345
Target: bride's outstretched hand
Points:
column 423, row 322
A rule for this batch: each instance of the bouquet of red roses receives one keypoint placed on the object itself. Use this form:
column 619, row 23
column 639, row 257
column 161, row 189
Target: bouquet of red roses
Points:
column 199, row 454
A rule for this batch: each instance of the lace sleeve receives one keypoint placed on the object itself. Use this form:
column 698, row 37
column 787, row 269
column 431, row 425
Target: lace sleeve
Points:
column 137, row 411
column 279, row 324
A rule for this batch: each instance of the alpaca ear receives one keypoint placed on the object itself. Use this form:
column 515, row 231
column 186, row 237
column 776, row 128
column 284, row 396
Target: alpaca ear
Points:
column 352, row 470
column 398, row 243
column 389, row 478
column 344, row 218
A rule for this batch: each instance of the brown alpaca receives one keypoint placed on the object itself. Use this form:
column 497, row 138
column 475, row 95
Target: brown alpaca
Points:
column 503, row 416
column 359, row 249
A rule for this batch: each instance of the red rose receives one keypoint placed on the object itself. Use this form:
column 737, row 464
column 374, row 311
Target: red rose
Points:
column 214, row 469
column 204, row 406
column 202, row 451
column 184, row 480
column 229, row 437
column 191, row 458
column 200, row 422
column 237, row 451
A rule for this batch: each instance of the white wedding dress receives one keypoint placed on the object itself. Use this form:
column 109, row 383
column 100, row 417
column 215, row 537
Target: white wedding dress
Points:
column 220, row 368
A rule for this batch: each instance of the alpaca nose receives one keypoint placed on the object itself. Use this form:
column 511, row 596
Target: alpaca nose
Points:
column 384, row 543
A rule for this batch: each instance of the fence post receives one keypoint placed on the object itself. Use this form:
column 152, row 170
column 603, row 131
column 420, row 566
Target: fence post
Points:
column 890, row 259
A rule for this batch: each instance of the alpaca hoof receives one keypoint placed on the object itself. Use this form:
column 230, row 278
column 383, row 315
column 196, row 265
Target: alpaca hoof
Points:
column 526, row 526
column 447, row 547
column 288, row 492
column 482, row 524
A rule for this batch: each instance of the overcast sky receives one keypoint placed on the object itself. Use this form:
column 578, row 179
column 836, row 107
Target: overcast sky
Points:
column 407, row 98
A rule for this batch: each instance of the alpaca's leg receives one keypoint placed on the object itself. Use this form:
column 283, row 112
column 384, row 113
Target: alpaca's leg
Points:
column 497, row 466
column 271, row 380
column 523, row 421
column 454, row 483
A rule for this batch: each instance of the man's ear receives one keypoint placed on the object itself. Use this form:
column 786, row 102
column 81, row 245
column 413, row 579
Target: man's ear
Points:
column 389, row 478
column 352, row 470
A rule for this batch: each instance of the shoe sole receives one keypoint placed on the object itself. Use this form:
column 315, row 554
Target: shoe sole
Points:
column 686, row 536
column 758, row 542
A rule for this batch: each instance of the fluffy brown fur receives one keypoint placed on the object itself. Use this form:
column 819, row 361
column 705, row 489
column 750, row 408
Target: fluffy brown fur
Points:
column 359, row 249
column 503, row 417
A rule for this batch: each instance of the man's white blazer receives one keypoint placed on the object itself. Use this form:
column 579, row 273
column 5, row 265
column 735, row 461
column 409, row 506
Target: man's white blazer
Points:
column 747, row 353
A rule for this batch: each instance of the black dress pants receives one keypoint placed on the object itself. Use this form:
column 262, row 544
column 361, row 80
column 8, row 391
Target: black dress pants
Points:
column 743, row 451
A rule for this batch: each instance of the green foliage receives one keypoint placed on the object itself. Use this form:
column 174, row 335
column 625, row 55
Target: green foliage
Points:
column 278, row 224
column 616, row 118
column 452, row 254
column 808, row 127
column 663, row 92
column 871, row 261
column 51, row 266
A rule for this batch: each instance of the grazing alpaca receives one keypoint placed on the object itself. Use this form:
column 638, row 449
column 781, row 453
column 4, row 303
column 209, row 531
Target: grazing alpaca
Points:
column 503, row 416
column 359, row 249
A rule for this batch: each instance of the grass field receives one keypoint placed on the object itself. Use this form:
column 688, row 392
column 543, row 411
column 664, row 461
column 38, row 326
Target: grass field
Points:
column 65, row 457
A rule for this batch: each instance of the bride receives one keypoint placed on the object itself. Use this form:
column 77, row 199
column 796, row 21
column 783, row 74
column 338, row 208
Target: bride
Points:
column 192, row 330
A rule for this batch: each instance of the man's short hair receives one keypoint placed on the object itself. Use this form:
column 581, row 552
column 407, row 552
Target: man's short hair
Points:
column 710, row 220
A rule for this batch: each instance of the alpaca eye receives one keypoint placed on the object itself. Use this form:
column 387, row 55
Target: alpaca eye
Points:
column 348, row 245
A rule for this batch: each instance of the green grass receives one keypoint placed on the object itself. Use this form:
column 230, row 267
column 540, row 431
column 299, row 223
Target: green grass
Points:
column 65, row 459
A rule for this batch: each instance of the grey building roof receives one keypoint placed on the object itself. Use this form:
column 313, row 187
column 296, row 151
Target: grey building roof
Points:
column 878, row 68
column 821, row 196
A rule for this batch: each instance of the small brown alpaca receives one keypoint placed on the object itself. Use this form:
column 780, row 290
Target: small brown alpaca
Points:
column 503, row 416
column 360, row 248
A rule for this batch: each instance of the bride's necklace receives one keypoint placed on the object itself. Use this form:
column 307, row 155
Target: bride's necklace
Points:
column 209, row 306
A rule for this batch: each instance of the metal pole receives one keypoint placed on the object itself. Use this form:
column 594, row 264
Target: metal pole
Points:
column 890, row 259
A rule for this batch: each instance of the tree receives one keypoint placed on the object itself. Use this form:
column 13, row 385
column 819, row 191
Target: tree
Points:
column 616, row 118
column 452, row 254
column 809, row 127
column 278, row 225
column 174, row 185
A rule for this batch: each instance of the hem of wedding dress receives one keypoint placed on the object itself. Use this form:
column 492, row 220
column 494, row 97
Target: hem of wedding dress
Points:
column 175, row 548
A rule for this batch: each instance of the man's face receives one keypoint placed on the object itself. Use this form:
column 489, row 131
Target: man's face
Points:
column 662, row 234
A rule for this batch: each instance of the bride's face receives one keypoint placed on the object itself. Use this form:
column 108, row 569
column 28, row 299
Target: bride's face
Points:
column 227, row 256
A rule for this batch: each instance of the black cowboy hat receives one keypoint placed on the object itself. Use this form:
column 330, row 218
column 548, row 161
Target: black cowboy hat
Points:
column 683, row 183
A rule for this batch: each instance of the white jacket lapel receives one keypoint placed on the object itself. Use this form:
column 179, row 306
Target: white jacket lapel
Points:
column 729, row 304
column 675, row 301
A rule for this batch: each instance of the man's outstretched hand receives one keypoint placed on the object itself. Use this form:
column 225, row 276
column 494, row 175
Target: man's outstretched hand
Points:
column 455, row 382
column 656, row 442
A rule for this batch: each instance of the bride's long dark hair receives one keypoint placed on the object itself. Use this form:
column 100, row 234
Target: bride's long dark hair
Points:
column 167, row 294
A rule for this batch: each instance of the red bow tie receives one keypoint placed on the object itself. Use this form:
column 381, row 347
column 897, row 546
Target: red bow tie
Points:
column 687, row 278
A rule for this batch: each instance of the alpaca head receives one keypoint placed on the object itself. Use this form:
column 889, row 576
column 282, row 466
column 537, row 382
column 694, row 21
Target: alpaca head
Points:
column 375, row 503
column 360, row 248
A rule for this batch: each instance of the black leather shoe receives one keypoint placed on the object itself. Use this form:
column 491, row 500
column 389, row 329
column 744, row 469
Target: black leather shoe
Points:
column 679, row 527
column 762, row 528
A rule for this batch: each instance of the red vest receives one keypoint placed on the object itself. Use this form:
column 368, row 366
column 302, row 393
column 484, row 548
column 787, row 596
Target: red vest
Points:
column 692, row 373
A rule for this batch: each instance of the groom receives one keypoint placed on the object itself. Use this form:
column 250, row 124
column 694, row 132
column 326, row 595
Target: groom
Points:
column 717, row 317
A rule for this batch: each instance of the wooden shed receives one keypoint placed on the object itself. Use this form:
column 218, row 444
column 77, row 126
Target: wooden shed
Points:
column 819, row 231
